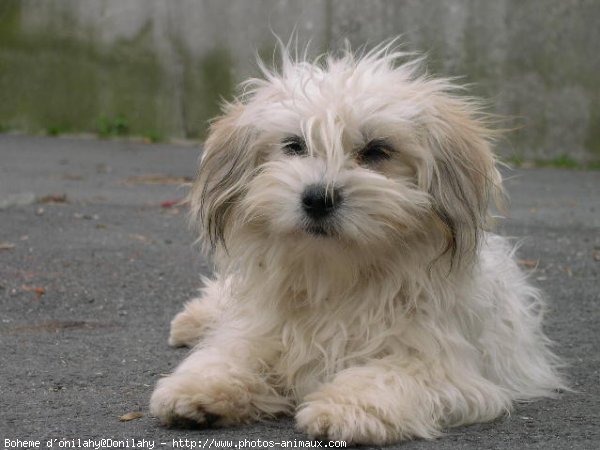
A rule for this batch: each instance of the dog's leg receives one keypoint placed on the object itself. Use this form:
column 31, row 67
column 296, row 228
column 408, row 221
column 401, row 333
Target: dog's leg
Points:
column 192, row 323
column 199, row 314
column 384, row 403
column 220, row 383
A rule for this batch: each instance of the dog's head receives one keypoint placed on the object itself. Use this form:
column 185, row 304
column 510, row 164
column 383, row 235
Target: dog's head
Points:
column 360, row 153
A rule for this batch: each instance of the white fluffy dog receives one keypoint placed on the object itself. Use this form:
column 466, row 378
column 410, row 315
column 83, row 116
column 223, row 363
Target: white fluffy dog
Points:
column 345, row 202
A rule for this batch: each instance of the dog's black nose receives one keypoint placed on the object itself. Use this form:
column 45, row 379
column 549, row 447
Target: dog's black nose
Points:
column 318, row 202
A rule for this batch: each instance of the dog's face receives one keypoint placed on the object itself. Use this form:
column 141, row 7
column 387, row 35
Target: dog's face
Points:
column 353, row 153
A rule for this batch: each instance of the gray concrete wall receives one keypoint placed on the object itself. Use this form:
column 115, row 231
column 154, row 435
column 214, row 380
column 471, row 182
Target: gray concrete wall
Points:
column 158, row 68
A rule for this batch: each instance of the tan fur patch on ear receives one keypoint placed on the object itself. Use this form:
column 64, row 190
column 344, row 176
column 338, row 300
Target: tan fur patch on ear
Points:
column 465, row 176
column 225, row 169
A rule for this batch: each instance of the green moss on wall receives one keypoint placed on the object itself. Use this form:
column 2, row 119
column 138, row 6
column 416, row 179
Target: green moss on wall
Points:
column 54, row 82
column 592, row 141
column 10, row 20
column 207, row 82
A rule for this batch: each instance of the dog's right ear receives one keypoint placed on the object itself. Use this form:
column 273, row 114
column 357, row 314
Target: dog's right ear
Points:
column 226, row 166
column 465, row 177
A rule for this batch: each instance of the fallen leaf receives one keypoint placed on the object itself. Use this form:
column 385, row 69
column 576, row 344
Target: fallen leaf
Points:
column 596, row 256
column 157, row 179
column 171, row 203
column 53, row 198
column 6, row 246
column 39, row 291
column 528, row 262
column 131, row 416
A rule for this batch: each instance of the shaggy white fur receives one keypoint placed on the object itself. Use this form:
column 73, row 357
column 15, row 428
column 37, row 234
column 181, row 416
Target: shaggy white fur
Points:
column 345, row 202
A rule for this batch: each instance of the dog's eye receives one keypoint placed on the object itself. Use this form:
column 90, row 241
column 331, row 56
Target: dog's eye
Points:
column 375, row 151
column 294, row 146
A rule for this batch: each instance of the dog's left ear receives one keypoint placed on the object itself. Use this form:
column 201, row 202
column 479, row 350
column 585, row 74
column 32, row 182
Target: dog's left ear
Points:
column 226, row 166
column 464, row 173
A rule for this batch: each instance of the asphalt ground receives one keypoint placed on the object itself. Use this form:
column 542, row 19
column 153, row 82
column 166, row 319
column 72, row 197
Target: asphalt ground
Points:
column 96, row 258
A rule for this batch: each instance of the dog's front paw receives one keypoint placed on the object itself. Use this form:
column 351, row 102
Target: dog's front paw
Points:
column 188, row 397
column 323, row 418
